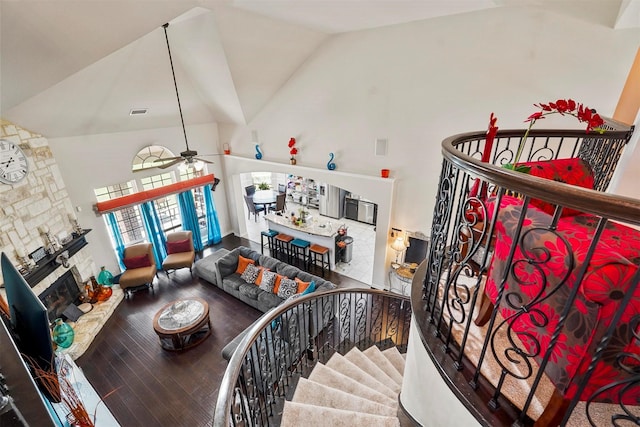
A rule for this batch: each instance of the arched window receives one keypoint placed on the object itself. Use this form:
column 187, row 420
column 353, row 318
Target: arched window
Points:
column 145, row 159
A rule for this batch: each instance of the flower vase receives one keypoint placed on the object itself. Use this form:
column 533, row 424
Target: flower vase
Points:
column 293, row 160
column 63, row 334
column 105, row 278
column 104, row 293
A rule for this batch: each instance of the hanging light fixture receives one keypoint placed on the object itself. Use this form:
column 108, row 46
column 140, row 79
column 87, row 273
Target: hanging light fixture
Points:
column 187, row 158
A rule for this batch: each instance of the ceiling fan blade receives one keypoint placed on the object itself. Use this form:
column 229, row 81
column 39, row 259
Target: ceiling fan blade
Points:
column 166, row 159
column 203, row 160
column 172, row 163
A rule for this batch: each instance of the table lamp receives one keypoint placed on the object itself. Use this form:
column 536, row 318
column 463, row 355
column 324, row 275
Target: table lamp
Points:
column 398, row 246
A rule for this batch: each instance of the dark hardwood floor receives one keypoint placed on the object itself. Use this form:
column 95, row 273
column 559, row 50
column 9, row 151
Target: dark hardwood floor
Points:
column 154, row 387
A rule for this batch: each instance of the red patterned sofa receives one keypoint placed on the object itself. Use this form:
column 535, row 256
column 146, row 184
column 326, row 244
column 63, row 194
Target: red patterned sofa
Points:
column 549, row 261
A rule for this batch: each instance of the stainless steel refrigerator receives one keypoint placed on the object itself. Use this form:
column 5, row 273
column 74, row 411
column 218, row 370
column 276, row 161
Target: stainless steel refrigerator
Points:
column 331, row 201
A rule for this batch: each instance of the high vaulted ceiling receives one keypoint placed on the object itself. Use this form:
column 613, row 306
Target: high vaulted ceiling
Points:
column 78, row 67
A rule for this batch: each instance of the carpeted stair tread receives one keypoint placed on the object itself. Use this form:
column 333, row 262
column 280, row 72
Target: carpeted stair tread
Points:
column 331, row 378
column 313, row 393
column 300, row 414
column 375, row 355
column 396, row 358
column 363, row 362
column 344, row 366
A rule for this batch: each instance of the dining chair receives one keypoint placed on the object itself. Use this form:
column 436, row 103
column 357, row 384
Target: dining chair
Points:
column 279, row 205
column 250, row 190
column 253, row 209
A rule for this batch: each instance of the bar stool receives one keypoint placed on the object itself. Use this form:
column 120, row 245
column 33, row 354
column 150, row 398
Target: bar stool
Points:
column 271, row 241
column 283, row 245
column 318, row 253
column 299, row 252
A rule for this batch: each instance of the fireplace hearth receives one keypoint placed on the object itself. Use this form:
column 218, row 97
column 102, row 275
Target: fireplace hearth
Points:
column 62, row 293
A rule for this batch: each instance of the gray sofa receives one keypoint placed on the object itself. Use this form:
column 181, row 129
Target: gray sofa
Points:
column 220, row 269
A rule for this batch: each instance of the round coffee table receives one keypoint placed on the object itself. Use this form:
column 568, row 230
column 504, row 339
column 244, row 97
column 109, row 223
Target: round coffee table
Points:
column 183, row 323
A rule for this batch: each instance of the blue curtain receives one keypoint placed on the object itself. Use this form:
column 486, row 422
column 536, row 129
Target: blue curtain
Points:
column 112, row 222
column 213, row 226
column 190, row 217
column 153, row 226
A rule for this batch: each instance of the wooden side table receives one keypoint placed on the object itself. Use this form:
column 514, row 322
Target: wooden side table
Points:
column 182, row 324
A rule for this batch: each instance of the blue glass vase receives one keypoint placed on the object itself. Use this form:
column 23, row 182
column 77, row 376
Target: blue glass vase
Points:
column 105, row 278
column 63, row 334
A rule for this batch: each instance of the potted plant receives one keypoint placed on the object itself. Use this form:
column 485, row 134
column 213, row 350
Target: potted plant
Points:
column 263, row 186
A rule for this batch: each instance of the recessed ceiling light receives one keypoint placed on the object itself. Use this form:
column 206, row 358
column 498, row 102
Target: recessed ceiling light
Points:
column 138, row 111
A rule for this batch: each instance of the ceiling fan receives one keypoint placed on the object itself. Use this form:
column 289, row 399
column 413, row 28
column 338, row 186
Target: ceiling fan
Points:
column 187, row 158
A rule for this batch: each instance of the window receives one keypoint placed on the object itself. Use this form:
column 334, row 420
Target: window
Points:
column 146, row 158
column 167, row 207
column 129, row 219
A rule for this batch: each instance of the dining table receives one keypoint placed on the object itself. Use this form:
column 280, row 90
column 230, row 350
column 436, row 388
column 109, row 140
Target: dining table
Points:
column 264, row 198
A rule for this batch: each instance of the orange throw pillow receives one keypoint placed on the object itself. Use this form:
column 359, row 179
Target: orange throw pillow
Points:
column 259, row 278
column 302, row 286
column 242, row 263
column 276, row 285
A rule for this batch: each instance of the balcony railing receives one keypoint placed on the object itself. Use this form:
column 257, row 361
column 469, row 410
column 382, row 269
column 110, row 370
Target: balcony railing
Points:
column 530, row 305
column 288, row 341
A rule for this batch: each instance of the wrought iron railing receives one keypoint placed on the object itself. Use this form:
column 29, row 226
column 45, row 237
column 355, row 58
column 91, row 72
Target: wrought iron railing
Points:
column 288, row 341
column 513, row 292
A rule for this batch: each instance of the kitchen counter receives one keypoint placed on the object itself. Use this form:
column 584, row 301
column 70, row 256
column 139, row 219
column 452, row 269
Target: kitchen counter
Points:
column 318, row 227
column 316, row 230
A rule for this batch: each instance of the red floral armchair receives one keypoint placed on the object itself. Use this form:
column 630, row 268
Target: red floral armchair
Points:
column 550, row 261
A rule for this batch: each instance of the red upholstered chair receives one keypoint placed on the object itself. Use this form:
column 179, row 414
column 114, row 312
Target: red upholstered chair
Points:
column 180, row 251
column 545, row 268
column 140, row 267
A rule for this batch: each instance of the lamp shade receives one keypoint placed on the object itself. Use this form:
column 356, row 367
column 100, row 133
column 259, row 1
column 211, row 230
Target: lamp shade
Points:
column 398, row 244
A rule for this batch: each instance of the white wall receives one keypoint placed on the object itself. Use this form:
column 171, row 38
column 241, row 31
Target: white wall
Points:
column 424, row 395
column 418, row 83
column 94, row 161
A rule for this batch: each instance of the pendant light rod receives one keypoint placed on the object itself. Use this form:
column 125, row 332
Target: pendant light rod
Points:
column 175, row 84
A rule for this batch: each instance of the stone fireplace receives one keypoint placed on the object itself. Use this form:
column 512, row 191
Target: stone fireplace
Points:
column 61, row 294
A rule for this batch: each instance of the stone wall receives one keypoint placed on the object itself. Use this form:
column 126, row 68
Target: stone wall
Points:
column 40, row 199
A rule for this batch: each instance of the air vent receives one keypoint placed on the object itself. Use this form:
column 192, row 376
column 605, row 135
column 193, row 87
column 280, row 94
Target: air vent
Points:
column 138, row 111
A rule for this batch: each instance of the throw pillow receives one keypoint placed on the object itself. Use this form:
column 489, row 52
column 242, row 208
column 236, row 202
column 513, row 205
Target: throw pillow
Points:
column 259, row 278
column 242, row 263
column 276, row 285
column 302, row 286
column 137, row 261
column 310, row 288
column 268, row 280
column 287, row 288
column 178, row 246
column 250, row 274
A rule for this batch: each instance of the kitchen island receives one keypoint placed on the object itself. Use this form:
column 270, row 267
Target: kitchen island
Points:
column 315, row 230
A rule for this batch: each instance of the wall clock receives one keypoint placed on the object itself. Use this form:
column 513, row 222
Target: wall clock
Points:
column 14, row 166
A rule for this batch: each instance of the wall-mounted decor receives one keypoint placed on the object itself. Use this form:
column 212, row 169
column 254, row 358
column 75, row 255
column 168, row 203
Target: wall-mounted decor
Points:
column 258, row 152
column 293, row 150
column 330, row 164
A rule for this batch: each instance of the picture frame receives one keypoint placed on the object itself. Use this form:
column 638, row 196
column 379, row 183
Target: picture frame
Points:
column 38, row 254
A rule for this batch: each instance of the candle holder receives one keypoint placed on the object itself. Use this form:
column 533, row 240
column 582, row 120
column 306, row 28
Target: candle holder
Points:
column 77, row 230
column 51, row 243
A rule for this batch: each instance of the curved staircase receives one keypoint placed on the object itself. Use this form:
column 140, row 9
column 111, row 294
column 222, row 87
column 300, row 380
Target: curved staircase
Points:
column 359, row 388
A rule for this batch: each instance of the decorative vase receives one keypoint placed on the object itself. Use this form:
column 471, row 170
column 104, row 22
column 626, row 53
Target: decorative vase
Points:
column 293, row 160
column 63, row 334
column 330, row 164
column 104, row 293
column 105, row 278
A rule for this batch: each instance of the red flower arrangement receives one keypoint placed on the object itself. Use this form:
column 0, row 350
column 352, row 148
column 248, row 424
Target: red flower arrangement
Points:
column 563, row 107
column 293, row 150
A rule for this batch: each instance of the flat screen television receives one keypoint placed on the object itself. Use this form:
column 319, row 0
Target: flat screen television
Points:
column 29, row 322
column 417, row 250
